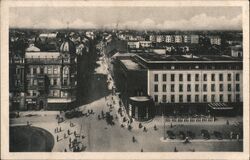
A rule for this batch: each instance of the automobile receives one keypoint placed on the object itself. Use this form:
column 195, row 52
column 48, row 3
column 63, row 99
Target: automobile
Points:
column 218, row 135
column 171, row 135
column 190, row 134
column 205, row 134
column 182, row 135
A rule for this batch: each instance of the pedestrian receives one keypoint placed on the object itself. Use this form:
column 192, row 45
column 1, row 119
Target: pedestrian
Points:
column 65, row 136
column 75, row 133
column 28, row 123
column 227, row 122
column 69, row 145
column 175, row 149
column 65, row 150
column 60, row 129
column 238, row 137
column 142, row 150
column 83, row 136
column 69, row 139
column 55, row 130
column 171, row 125
column 57, row 138
column 68, row 132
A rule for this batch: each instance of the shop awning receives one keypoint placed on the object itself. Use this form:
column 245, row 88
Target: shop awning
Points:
column 219, row 106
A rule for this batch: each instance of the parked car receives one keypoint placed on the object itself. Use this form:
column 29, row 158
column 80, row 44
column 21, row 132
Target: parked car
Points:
column 171, row 135
column 218, row 135
column 182, row 135
column 190, row 134
column 205, row 134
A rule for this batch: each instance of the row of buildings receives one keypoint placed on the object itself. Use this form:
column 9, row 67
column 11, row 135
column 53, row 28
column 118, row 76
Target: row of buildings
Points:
column 41, row 79
column 189, row 39
column 178, row 83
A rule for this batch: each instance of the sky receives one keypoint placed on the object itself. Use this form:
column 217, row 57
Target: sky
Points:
column 160, row 18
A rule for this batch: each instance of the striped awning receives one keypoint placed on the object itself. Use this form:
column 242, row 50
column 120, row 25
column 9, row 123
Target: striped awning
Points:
column 219, row 106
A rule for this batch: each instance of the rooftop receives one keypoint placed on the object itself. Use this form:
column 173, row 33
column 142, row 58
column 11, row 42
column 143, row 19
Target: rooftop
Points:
column 153, row 57
column 130, row 65
column 42, row 54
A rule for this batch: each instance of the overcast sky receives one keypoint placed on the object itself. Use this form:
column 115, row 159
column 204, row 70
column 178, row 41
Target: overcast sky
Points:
column 179, row 18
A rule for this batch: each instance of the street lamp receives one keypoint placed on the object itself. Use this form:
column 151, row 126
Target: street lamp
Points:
column 163, row 121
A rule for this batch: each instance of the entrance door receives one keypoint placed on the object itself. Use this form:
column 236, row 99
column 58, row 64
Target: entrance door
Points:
column 41, row 105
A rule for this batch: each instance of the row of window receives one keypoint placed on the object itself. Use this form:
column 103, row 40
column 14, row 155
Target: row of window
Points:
column 53, row 82
column 197, row 77
column 197, row 87
column 196, row 98
column 48, row 70
column 54, row 93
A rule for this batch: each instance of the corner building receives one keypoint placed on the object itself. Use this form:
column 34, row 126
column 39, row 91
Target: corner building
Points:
column 51, row 78
column 193, row 83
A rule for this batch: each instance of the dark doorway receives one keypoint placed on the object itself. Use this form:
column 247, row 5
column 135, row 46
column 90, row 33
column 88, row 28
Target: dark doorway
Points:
column 41, row 105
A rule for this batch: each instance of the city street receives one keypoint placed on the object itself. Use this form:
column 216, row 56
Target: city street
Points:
column 97, row 135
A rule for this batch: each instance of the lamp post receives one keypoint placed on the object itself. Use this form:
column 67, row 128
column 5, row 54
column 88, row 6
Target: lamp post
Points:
column 163, row 121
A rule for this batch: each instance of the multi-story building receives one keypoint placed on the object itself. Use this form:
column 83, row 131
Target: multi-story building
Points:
column 159, row 38
column 152, row 38
column 51, row 78
column 187, row 39
column 178, row 39
column 133, row 44
column 194, row 39
column 145, row 44
column 215, row 40
column 169, row 39
column 193, row 82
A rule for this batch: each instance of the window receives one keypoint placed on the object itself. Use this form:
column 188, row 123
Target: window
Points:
column 164, row 88
column 34, row 71
column 41, row 70
column 237, row 77
column 229, row 98
column 204, row 98
column 221, row 97
column 197, row 98
column 196, row 77
column 65, row 70
column 205, row 87
column 220, row 77
column 237, row 87
column 189, row 87
column 237, row 97
column 213, row 87
column 181, row 77
column 172, row 98
column 212, row 98
column 172, row 87
column 29, row 71
column 221, row 87
column 229, row 77
column 156, row 77
column 49, row 70
column 156, row 98
column 172, row 77
column 229, row 87
column 204, row 77
column 164, row 77
column 156, row 88
column 65, row 81
column 34, row 93
column 212, row 77
column 180, row 87
column 55, row 71
column 35, row 82
column 197, row 88
column 164, row 98
column 188, row 98
column 54, row 81
column 189, row 77
column 180, row 98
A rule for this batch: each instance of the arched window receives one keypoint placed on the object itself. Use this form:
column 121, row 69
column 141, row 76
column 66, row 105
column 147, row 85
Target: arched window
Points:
column 65, row 70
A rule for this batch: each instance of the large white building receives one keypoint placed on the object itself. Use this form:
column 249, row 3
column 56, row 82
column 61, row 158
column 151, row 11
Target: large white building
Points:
column 191, row 79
